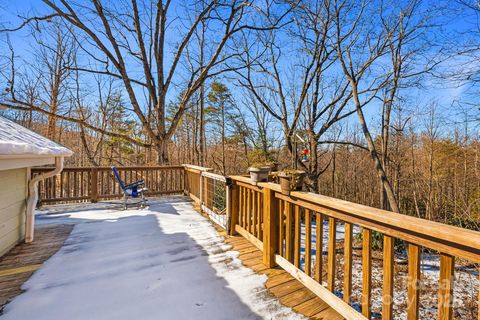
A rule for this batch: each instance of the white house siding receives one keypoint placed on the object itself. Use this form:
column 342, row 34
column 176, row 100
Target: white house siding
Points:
column 13, row 194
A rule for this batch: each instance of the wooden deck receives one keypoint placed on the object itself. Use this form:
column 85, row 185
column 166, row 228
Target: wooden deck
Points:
column 281, row 284
column 24, row 259
column 262, row 212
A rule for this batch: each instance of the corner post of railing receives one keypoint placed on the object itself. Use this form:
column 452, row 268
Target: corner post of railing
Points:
column 94, row 184
column 185, row 180
column 270, row 227
column 232, row 206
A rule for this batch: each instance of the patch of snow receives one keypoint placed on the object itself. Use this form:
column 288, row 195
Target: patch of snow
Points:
column 165, row 262
column 340, row 232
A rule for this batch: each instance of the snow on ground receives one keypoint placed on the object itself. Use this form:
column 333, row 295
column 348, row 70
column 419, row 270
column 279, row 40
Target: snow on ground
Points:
column 340, row 235
column 166, row 262
column 465, row 288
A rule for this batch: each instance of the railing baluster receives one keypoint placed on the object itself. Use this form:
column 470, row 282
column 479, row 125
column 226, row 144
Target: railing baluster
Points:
column 244, row 206
column 67, row 194
column 254, row 213
column 288, row 232
column 332, row 252
column 259, row 216
column 445, row 293
column 388, row 273
column 61, row 185
column 298, row 233
column 54, row 185
column 347, row 266
column 319, row 247
column 281, row 226
column 82, row 184
column 249, row 212
column 308, row 242
column 413, row 281
column 366, row 272
column 240, row 204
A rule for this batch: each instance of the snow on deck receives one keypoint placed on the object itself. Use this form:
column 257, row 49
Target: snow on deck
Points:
column 165, row 262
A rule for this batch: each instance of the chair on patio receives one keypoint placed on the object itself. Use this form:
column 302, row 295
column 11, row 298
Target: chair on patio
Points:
column 134, row 190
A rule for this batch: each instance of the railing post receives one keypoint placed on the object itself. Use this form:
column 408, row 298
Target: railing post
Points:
column 201, row 191
column 94, row 185
column 270, row 227
column 185, row 181
column 232, row 206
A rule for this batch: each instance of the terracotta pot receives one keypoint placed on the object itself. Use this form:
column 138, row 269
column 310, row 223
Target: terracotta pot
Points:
column 288, row 183
column 259, row 174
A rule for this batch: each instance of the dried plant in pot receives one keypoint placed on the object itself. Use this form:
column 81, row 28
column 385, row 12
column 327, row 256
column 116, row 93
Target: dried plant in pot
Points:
column 291, row 180
column 274, row 166
column 259, row 172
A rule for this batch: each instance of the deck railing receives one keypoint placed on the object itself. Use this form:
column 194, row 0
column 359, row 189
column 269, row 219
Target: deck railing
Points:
column 193, row 185
column 283, row 226
column 289, row 230
column 92, row 184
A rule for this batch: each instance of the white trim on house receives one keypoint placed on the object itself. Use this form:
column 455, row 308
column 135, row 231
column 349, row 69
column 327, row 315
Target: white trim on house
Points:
column 16, row 163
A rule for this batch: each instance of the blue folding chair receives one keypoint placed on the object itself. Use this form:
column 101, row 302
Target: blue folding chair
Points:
column 134, row 190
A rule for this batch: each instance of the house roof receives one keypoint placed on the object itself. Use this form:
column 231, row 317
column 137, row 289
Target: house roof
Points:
column 16, row 140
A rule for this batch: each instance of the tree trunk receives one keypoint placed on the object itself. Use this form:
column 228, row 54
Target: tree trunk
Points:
column 223, row 141
column 314, row 171
column 162, row 151
column 373, row 153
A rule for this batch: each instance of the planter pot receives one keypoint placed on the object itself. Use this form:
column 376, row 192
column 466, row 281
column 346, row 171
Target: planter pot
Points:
column 274, row 167
column 259, row 174
column 291, row 182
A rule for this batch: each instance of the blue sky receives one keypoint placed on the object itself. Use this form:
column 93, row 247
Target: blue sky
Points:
column 444, row 91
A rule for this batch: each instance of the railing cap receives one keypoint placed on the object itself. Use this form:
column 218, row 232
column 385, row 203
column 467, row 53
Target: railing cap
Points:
column 198, row 168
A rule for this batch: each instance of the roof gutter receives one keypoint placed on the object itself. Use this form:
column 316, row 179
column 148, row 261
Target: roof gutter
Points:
column 33, row 197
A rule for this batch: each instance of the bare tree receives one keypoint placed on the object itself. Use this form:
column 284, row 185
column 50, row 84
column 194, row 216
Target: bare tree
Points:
column 57, row 51
column 363, row 45
column 114, row 42
column 294, row 83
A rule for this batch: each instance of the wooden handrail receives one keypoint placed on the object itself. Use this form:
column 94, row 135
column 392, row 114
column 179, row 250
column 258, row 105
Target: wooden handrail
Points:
column 214, row 176
column 107, row 168
column 196, row 168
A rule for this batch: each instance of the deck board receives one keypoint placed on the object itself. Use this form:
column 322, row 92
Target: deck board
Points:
column 19, row 263
column 281, row 284
column 297, row 297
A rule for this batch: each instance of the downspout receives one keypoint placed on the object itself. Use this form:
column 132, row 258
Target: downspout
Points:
column 33, row 197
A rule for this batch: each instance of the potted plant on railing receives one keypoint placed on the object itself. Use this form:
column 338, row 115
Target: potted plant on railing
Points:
column 291, row 180
column 259, row 172
column 273, row 165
